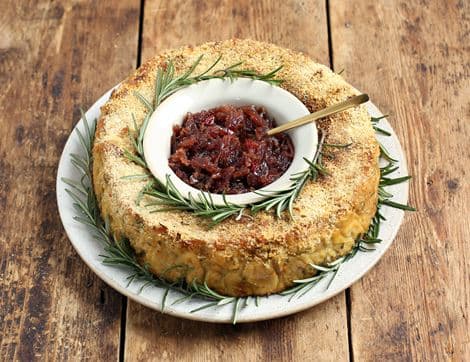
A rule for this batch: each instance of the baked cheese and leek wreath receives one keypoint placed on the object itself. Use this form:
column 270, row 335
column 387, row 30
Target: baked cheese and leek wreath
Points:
column 260, row 254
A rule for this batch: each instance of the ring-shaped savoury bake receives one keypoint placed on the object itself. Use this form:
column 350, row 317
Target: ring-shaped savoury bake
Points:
column 259, row 254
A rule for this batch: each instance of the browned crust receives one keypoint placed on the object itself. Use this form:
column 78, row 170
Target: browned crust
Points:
column 258, row 255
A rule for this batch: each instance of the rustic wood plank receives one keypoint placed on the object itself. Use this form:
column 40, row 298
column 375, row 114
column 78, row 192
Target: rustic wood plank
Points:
column 300, row 25
column 319, row 332
column 413, row 60
column 54, row 57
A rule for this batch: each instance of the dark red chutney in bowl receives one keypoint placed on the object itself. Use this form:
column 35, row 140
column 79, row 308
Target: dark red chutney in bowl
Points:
column 225, row 150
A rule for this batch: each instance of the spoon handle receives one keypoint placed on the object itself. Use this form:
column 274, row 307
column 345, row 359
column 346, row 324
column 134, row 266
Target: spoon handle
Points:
column 328, row 111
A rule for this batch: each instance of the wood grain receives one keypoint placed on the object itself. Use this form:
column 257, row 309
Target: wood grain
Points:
column 320, row 332
column 52, row 61
column 296, row 24
column 413, row 58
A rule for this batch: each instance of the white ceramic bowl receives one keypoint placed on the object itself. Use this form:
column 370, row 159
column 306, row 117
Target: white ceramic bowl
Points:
column 280, row 104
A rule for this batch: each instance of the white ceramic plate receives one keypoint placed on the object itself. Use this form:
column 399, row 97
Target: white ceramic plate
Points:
column 269, row 307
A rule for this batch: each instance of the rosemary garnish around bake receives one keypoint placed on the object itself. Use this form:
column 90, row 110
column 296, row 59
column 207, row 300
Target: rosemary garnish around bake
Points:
column 166, row 197
column 120, row 253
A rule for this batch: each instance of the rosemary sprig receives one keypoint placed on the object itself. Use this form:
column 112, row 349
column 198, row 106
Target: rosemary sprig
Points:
column 376, row 120
column 284, row 199
column 168, row 196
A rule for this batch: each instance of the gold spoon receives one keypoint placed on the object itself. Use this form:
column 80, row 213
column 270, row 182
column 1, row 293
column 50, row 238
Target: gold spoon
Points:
column 328, row 111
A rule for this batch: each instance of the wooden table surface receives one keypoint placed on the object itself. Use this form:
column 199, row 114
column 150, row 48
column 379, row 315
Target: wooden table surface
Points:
column 412, row 57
